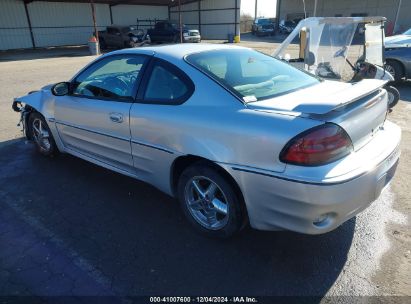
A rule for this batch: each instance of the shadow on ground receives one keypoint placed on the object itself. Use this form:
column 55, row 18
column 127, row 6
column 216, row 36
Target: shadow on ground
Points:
column 42, row 53
column 405, row 90
column 130, row 239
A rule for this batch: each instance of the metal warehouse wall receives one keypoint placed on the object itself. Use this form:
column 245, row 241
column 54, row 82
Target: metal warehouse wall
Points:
column 71, row 23
column 386, row 8
column 64, row 23
column 214, row 18
column 14, row 32
column 128, row 14
column 56, row 23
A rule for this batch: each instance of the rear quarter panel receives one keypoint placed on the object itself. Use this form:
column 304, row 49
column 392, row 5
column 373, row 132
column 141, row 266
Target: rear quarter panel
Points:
column 214, row 125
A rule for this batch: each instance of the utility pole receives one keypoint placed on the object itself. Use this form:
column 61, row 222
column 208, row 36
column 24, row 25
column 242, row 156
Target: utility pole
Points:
column 93, row 13
column 305, row 11
column 255, row 10
column 397, row 14
column 315, row 8
column 180, row 21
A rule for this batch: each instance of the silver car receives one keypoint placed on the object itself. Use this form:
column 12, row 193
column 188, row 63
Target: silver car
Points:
column 237, row 136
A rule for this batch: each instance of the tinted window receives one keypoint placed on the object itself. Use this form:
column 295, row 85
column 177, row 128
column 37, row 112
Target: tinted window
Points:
column 251, row 75
column 263, row 21
column 113, row 77
column 167, row 85
column 160, row 26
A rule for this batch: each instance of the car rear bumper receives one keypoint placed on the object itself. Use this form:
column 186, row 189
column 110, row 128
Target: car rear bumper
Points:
column 278, row 202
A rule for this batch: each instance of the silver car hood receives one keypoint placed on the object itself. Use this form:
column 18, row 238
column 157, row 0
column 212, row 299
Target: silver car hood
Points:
column 319, row 99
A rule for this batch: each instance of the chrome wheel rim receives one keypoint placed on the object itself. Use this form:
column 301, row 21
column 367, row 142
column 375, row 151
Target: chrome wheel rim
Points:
column 41, row 135
column 390, row 70
column 206, row 202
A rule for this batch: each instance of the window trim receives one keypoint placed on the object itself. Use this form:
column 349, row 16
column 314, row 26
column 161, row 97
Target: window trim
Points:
column 173, row 69
column 136, row 87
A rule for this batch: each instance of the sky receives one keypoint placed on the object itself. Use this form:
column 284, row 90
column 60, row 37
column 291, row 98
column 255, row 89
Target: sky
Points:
column 266, row 8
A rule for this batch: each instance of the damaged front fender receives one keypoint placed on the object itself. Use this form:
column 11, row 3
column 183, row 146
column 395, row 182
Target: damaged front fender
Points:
column 39, row 101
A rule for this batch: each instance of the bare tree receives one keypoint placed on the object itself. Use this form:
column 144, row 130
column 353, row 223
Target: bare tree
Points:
column 246, row 22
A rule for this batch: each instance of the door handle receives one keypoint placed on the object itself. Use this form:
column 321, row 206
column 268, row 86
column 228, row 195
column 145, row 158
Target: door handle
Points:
column 116, row 117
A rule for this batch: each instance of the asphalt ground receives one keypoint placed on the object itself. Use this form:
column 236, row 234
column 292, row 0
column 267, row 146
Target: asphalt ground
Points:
column 70, row 228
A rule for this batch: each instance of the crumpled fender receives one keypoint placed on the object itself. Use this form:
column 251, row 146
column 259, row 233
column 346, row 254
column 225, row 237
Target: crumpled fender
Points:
column 42, row 101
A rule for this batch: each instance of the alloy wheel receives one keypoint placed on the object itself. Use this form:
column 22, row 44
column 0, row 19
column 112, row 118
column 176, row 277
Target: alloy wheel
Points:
column 41, row 135
column 206, row 202
column 390, row 69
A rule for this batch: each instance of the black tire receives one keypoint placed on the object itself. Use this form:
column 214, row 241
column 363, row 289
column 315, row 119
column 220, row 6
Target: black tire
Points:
column 49, row 149
column 103, row 44
column 235, row 217
column 394, row 96
column 396, row 67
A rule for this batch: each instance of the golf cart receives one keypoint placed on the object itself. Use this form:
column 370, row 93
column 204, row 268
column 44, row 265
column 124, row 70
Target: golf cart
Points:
column 347, row 49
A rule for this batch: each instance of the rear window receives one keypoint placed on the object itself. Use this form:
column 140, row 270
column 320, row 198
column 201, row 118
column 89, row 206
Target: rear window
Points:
column 251, row 75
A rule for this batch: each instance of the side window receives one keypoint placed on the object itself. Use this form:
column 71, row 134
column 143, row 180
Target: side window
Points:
column 114, row 77
column 167, row 85
column 160, row 26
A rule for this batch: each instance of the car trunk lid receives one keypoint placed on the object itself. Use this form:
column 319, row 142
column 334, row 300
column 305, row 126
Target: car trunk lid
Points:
column 360, row 108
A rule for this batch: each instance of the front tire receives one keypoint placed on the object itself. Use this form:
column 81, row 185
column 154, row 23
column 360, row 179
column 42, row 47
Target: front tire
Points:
column 395, row 69
column 41, row 135
column 209, row 201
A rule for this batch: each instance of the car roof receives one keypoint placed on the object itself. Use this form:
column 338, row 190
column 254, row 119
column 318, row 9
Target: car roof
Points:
column 177, row 51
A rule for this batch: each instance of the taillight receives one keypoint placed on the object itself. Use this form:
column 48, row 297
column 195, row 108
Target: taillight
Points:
column 317, row 146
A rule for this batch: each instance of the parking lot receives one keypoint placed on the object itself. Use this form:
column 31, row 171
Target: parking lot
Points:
column 70, row 228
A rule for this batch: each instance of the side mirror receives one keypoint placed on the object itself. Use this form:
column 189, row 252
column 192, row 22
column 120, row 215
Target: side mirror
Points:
column 60, row 89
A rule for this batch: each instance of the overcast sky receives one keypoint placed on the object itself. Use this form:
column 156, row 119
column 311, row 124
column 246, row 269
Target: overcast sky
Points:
column 266, row 8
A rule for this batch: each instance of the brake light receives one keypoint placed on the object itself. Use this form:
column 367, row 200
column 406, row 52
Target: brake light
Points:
column 317, row 146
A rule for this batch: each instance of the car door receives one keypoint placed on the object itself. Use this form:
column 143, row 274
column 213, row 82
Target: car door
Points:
column 117, row 39
column 159, row 31
column 163, row 89
column 110, row 37
column 93, row 119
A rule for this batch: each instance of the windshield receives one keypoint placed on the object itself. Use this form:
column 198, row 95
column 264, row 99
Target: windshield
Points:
column 263, row 21
column 408, row 32
column 330, row 47
column 251, row 75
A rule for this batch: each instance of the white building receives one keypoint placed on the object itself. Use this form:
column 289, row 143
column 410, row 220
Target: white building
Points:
column 397, row 12
column 39, row 23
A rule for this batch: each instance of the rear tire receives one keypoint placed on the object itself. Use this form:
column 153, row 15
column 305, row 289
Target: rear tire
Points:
column 209, row 201
column 41, row 135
